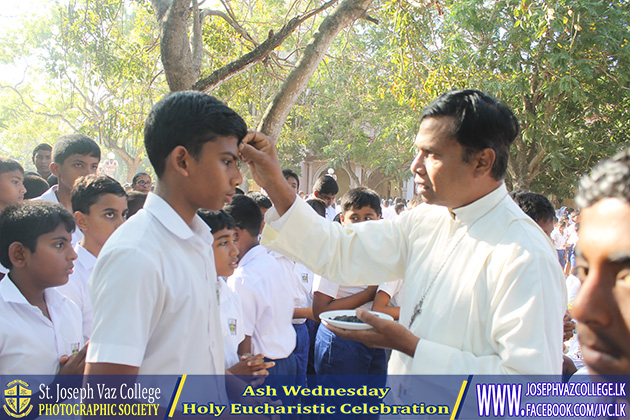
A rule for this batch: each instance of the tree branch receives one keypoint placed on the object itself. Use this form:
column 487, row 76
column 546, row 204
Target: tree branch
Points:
column 238, row 28
column 278, row 110
column 258, row 54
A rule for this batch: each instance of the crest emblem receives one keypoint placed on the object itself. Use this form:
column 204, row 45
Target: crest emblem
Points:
column 17, row 396
column 232, row 326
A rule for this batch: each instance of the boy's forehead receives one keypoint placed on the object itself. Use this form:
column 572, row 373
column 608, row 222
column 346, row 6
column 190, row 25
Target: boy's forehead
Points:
column 364, row 209
column 75, row 157
column 223, row 232
column 59, row 232
column 108, row 199
column 16, row 173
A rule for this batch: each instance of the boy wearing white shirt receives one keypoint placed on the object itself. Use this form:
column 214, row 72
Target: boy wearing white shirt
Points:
column 40, row 330
column 156, row 274
column 261, row 283
column 73, row 155
column 333, row 354
column 100, row 207
column 226, row 261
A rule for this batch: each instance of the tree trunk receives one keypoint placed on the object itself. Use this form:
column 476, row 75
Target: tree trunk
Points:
column 276, row 114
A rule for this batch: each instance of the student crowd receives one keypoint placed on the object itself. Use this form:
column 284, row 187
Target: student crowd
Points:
column 174, row 279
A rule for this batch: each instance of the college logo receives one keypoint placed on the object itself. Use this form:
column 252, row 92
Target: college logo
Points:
column 17, row 396
column 304, row 277
column 232, row 326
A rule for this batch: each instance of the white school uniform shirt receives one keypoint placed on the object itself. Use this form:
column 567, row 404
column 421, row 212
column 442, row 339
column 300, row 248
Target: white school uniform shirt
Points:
column 494, row 306
column 51, row 195
column 267, row 312
column 231, row 310
column 77, row 287
column 335, row 291
column 30, row 343
column 299, row 282
column 153, row 289
column 303, row 291
column 392, row 288
column 559, row 239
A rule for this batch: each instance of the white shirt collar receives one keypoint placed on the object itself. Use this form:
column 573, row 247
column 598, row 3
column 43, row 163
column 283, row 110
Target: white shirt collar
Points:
column 475, row 210
column 85, row 257
column 10, row 293
column 252, row 254
column 172, row 221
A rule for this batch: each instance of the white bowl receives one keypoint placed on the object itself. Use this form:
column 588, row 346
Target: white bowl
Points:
column 327, row 318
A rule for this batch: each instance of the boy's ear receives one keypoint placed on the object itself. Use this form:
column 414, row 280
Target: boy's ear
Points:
column 341, row 218
column 179, row 159
column 81, row 220
column 17, row 254
column 54, row 168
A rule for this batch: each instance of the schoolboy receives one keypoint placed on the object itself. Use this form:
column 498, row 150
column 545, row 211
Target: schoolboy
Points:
column 226, row 260
column 34, row 184
column 73, row 155
column 42, row 156
column 262, row 286
column 100, row 207
column 40, row 330
column 11, row 182
column 326, row 188
column 292, row 178
column 155, row 275
column 333, row 354
column 11, row 188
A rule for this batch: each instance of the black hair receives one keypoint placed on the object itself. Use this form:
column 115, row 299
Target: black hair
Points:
column 326, row 184
column 26, row 221
column 138, row 175
column 135, row 201
column 217, row 220
column 246, row 214
column 34, row 184
column 481, row 122
column 399, row 207
column 237, row 190
column 536, row 206
column 188, row 119
column 88, row 189
column 41, row 146
column 318, row 205
column 360, row 197
column 74, row 144
column 261, row 200
column 608, row 179
column 288, row 173
column 9, row 165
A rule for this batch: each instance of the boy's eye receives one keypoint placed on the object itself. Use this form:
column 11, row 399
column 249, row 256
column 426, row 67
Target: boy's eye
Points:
column 109, row 215
column 78, row 165
column 59, row 245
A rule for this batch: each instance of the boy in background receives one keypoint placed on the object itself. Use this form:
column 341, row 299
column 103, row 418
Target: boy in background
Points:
column 262, row 285
column 156, row 275
column 42, row 156
column 226, row 260
column 11, row 182
column 100, row 207
column 326, row 189
column 335, row 355
column 11, row 188
column 40, row 330
column 73, row 155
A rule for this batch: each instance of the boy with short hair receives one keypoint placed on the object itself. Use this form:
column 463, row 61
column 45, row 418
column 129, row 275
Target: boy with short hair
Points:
column 73, row 155
column 226, row 261
column 40, row 330
column 11, row 182
column 100, row 207
column 326, row 188
column 156, row 275
column 333, row 354
column 42, row 156
column 262, row 285
column 292, row 178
